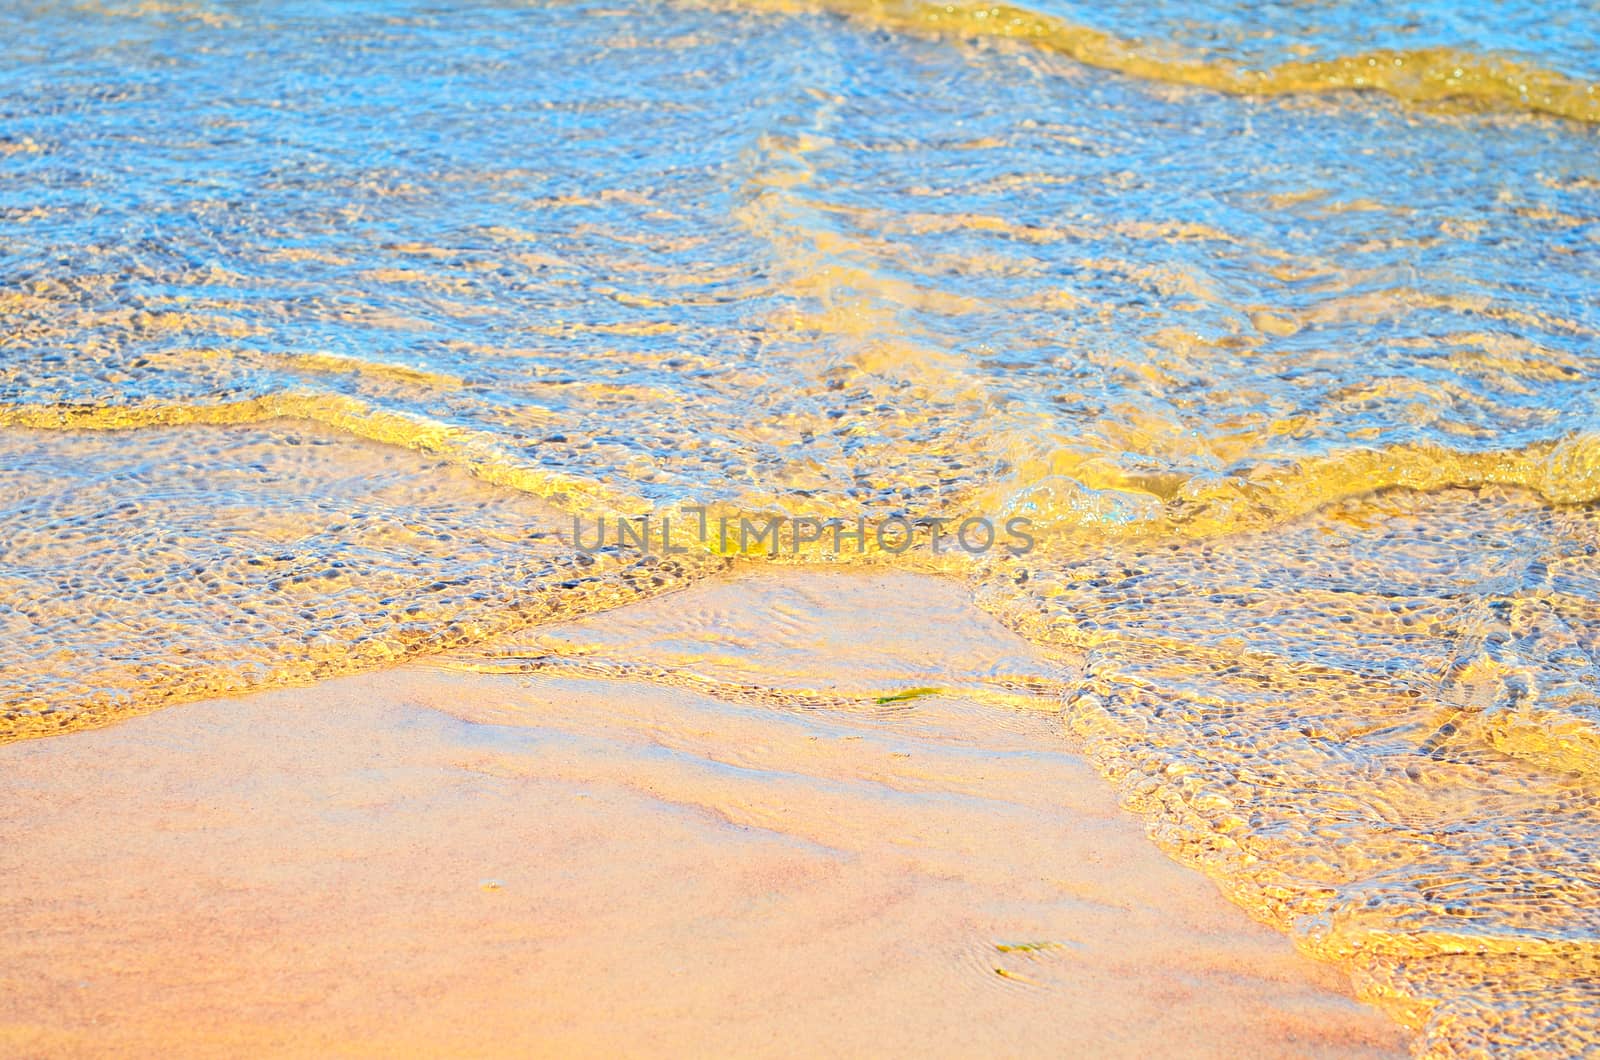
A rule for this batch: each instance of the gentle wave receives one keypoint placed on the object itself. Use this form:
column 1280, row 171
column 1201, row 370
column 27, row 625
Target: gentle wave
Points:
column 474, row 452
column 1425, row 75
column 1067, row 500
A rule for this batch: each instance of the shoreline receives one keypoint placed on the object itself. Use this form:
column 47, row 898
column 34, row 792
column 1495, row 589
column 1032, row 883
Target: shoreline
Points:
column 756, row 816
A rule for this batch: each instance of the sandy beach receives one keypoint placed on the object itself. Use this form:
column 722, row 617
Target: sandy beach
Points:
column 686, row 827
column 799, row 527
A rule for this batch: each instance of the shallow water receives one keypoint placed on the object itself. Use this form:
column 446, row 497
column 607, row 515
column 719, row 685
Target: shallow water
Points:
column 1278, row 328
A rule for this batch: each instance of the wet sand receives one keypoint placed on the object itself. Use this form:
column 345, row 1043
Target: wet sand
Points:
column 787, row 814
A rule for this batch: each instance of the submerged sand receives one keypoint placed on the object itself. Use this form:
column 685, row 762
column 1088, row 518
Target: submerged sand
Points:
column 791, row 813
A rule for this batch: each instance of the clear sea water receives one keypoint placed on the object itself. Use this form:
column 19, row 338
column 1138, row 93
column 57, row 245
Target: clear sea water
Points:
column 1278, row 323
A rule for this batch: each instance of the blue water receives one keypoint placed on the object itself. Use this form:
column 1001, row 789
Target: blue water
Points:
column 323, row 321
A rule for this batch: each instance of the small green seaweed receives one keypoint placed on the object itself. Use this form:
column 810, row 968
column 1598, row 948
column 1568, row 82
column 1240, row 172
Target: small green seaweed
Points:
column 909, row 693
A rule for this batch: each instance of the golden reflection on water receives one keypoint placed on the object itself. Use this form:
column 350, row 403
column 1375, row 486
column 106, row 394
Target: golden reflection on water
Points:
column 1425, row 75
